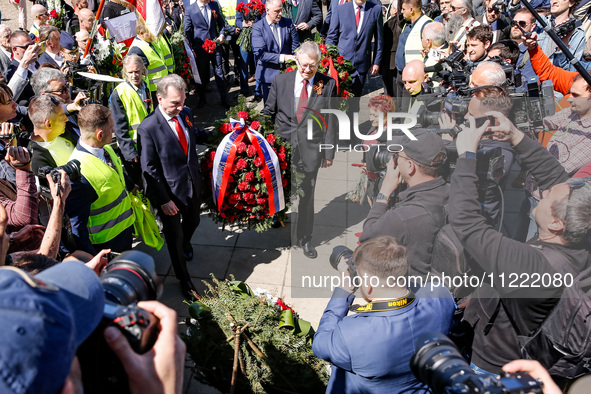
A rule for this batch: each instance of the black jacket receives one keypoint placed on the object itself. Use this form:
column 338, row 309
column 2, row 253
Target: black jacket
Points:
column 506, row 258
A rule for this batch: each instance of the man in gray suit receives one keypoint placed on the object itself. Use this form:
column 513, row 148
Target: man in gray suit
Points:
column 5, row 50
column 306, row 15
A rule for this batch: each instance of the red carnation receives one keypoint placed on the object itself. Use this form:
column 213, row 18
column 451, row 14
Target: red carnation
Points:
column 340, row 59
column 281, row 156
column 230, row 179
column 248, row 209
column 246, row 11
column 283, row 165
column 248, row 196
column 282, row 149
column 241, row 147
column 261, row 201
column 284, row 182
column 251, row 151
column 241, row 164
column 234, row 198
column 325, row 62
column 243, row 186
column 249, row 176
column 288, row 70
column 240, row 7
column 234, row 170
column 226, row 128
column 323, row 49
column 345, row 93
column 53, row 14
column 258, row 162
column 243, row 115
column 345, row 76
column 255, row 125
column 271, row 139
column 239, row 206
column 253, row 188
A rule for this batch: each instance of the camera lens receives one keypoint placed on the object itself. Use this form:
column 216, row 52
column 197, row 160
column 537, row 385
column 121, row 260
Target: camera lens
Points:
column 72, row 168
column 437, row 361
column 377, row 159
column 130, row 278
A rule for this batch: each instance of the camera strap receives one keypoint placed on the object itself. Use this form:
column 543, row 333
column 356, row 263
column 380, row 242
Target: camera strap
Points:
column 386, row 305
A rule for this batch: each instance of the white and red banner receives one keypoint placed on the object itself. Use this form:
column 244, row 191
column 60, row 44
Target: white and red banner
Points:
column 150, row 11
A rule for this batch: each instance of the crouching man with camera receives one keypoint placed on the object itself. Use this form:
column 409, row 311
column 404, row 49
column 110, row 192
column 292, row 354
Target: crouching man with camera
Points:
column 371, row 349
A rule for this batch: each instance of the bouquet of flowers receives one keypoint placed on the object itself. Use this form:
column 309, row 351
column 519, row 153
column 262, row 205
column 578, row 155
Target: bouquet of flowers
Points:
column 333, row 65
column 109, row 55
column 57, row 14
column 208, row 45
column 247, row 165
column 250, row 13
column 269, row 342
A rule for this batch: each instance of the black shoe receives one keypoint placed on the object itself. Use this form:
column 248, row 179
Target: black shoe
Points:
column 188, row 249
column 309, row 250
column 187, row 288
column 277, row 223
column 257, row 98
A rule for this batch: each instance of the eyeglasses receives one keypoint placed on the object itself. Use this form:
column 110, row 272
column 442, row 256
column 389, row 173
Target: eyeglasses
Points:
column 523, row 24
column 493, row 10
column 308, row 66
column 24, row 46
column 454, row 8
column 64, row 89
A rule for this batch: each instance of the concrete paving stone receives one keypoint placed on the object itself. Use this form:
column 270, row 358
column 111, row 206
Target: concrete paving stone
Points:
column 210, row 233
column 338, row 171
column 275, row 238
column 328, row 190
column 209, row 259
column 161, row 257
column 259, row 265
column 332, row 214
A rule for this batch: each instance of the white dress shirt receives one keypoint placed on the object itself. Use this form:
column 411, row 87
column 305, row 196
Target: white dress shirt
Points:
column 362, row 11
column 172, row 125
column 97, row 152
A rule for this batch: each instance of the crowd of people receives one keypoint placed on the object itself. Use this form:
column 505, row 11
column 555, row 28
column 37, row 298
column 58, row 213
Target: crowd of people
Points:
column 72, row 163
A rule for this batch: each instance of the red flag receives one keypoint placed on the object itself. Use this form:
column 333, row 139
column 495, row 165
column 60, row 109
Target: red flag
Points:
column 334, row 74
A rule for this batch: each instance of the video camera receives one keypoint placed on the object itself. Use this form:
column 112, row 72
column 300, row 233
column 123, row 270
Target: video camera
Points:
column 438, row 363
column 129, row 278
column 451, row 71
column 564, row 29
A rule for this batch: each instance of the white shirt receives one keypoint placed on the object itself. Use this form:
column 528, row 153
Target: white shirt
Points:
column 362, row 11
column 297, row 90
column 172, row 124
column 9, row 54
column 276, row 26
column 56, row 58
column 207, row 10
column 97, row 152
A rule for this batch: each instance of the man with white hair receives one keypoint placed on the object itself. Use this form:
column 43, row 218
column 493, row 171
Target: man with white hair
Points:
column 488, row 73
column 461, row 14
column 40, row 17
column 290, row 97
column 434, row 43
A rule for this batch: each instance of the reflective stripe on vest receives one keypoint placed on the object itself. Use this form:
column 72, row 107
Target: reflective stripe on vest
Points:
column 165, row 51
column 135, row 110
column 156, row 67
column 111, row 213
column 414, row 44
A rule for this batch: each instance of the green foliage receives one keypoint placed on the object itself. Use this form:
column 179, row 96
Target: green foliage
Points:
column 289, row 364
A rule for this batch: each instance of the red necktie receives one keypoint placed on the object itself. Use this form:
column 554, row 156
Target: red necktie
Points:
column 303, row 103
column 181, row 134
column 341, row 2
column 358, row 16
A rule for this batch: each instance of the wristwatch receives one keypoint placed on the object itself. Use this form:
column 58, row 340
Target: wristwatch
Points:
column 468, row 155
column 381, row 196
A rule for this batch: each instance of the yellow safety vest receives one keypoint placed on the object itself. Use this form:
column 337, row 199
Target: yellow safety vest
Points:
column 166, row 52
column 111, row 213
column 414, row 45
column 229, row 10
column 157, row 67
column 135, row 110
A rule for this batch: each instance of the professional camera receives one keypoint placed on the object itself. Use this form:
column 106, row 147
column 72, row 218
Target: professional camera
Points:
column 338, row 254
column 438, row 364
column 564, row 29
column 499, row 6
column 377, row 158
column 532, row 103
column 71, row 168
column 452, row 74
column 127, row 279
column 490, row 163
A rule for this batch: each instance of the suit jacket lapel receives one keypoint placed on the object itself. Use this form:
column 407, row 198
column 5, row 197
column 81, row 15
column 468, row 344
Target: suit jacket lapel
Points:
column 165, row 126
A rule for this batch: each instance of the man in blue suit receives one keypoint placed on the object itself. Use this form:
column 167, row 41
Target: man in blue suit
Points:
column 274, row 40
column 166, row 144
column 352, row 27
column 306, row 15
column 370, row 350
column 204, row 20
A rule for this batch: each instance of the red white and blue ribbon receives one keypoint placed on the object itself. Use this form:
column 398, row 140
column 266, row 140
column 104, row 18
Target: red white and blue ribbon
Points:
column 225, row 158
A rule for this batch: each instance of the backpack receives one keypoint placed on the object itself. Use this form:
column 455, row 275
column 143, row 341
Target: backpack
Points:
column 448, row 255
column 562, row 343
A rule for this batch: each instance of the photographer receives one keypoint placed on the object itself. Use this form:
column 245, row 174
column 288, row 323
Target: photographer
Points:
column 506, row 50
column 40, row 354
column 493, row 16
column 418, row 166
column 371, row 349
column 498, row 312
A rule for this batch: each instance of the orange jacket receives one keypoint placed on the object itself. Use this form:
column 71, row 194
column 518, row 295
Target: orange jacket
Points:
column 547, row 71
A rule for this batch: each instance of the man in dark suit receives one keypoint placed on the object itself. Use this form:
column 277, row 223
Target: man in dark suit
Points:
column 274, row 40
column 166, row 144
column 331, row 8
column 24, row 57
column 204, row 20
column 352, row 28
column 500, row 24
column 306, row 15
column 290, row 96
column 51, row 36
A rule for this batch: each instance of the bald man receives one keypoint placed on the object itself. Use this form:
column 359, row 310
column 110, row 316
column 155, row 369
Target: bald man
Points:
column 413, row 77
column 40, row 17
column 488, row 73
column 86, row 18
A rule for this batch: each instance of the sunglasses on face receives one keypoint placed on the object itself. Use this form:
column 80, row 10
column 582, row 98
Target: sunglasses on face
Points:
column 493, row 10
column 64, row 89
column 24, row 46
column 523, row 24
